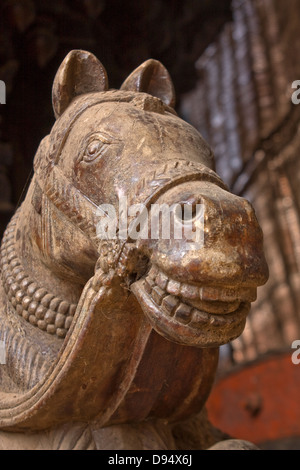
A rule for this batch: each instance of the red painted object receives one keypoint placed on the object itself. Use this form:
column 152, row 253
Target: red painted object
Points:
column 259, row 402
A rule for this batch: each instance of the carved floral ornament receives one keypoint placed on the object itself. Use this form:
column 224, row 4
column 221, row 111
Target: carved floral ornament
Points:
column 84, row 319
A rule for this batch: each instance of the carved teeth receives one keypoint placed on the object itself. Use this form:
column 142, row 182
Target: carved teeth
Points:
column 153, row 272
column 183, row 313
column 173, row 287
column 189, row 291
column 215, row 306
column 157, row 295
column 169, row 304
column 205, row 304
column 199, row 318
column 149, row 284
column 161, row 280
column 227, row 295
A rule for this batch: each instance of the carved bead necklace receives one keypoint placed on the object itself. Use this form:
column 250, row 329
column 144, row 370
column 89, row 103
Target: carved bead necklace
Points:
column 31, row 301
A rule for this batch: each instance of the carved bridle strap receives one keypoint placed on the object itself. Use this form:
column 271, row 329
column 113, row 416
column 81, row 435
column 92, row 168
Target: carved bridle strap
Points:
column 85, row 214
column 64, row 124
column 170, row 174
column 81, row 211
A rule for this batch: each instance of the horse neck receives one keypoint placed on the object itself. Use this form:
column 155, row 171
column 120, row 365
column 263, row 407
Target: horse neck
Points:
column 30, row 287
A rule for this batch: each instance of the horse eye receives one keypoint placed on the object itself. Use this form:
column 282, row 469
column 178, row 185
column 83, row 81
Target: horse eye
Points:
column 92, row 150
column 93, row 147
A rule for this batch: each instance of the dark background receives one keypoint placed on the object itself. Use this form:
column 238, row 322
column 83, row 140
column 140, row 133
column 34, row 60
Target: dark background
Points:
column 35, row 36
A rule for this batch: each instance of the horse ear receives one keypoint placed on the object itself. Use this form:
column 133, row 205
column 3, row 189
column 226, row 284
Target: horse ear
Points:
column 80, row 72
column 153, row 78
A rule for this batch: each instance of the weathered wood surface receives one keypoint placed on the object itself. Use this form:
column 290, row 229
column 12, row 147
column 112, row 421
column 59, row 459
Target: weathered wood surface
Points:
column 123, row 331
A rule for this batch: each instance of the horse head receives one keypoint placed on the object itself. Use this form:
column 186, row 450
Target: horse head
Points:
column 100, row 297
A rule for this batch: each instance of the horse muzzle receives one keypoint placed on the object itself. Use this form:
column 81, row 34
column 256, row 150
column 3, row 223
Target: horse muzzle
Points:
column 199, row 288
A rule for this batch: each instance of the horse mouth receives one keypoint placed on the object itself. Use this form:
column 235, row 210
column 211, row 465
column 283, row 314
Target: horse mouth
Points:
column 201, row 316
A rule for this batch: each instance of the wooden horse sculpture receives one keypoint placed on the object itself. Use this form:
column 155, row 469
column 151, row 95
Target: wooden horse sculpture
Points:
column 112, row 342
